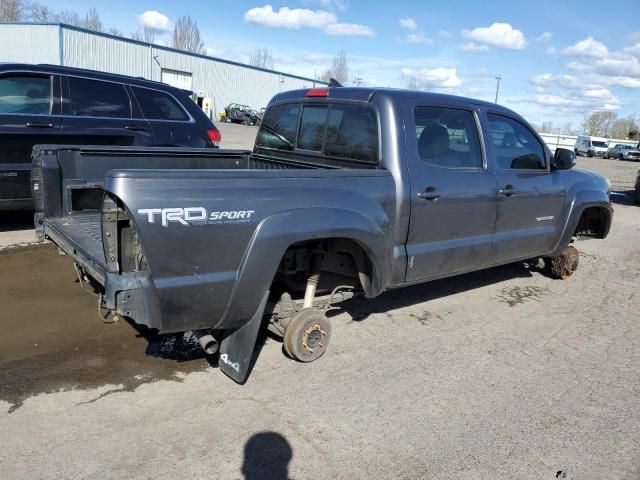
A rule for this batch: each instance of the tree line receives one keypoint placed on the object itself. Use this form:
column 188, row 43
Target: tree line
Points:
column 598, row 124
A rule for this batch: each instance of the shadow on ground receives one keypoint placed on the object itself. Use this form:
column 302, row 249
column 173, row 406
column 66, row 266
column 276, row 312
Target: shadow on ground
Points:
column 13, row 221
column 53, row 339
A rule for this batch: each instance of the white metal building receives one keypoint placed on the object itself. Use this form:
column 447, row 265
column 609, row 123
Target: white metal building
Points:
column 222, row 81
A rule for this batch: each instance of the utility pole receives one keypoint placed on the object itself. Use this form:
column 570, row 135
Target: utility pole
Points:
column 498, row 78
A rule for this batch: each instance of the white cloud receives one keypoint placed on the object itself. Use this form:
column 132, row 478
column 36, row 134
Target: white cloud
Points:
column 293, row 18
column 408, row 23
column 544, row 37
column 445, row 34
column 472, row 47
column 501, row 35
column 349, row 29
column 156, row 20
column 551, row 51
column 589, row 47
column 297, row 18
column 633, row 50
column 439, row 77
column 418, row 38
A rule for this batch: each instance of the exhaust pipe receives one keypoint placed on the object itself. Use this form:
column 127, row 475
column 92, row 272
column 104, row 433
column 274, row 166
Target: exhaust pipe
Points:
column 206, row 341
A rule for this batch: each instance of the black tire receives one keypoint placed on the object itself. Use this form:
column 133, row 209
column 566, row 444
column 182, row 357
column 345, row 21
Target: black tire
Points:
column 563, row 266
column 246, row 121
column 636, row 196
column 620, row 157
column 589, row 154
column 307, row 335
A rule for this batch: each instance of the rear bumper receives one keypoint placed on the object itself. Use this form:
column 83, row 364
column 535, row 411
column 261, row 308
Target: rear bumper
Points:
column 129, row 294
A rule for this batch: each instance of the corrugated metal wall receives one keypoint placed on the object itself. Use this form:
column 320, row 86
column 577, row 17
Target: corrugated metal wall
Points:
column 29, row 43
column 223, row 82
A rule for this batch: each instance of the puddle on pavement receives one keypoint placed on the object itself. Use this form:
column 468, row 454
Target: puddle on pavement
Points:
column 52, row 339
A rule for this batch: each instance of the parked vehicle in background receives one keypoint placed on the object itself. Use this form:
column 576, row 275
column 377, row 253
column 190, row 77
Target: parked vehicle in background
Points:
column 63, row 105
column 591, row 146
column 623, row 152
column 347, row 190
column 244, row 114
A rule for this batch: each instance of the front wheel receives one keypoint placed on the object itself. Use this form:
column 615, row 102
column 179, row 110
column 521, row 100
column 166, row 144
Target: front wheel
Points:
column 307, row 335
column 563, row 266
column 589, row 154
column 620, row 157
column 636, row 196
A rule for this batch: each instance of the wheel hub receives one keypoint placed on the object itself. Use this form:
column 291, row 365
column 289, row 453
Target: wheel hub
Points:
column 312, row 337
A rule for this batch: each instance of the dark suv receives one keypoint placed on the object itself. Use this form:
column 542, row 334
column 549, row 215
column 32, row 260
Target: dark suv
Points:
column 54, row 104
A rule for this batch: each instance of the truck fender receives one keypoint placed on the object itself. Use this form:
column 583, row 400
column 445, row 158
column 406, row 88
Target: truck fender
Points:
column 276, row 233
column 579, row 203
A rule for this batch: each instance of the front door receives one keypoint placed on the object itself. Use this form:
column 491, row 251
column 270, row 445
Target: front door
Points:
column 453, row 193
column 27, row 117
column 97, row 112
column 530, row 196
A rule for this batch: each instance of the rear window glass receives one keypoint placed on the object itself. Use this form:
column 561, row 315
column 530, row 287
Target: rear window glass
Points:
column 157, row 105
column 279, row 126
column 341, row 131
column 29, row 95
column 95, row 98
column 352, row 133
column 312, row 126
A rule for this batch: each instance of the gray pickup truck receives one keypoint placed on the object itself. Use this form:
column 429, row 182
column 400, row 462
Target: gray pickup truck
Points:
column 347, row 191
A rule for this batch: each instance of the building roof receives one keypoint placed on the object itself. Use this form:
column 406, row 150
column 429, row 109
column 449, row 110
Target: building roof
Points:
column 162, row 47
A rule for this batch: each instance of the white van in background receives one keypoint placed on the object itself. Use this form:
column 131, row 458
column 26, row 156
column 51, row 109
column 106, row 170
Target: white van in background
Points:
column 591, row 146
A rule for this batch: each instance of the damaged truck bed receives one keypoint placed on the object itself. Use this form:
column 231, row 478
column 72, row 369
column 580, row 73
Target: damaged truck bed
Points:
column 347, row 191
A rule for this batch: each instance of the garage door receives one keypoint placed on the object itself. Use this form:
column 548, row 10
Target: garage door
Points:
column 177, row 79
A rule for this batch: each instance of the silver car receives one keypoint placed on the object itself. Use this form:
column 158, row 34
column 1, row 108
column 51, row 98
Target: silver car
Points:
column 623, row 152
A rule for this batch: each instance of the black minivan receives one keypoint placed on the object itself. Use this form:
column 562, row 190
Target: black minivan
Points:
column 54, row 104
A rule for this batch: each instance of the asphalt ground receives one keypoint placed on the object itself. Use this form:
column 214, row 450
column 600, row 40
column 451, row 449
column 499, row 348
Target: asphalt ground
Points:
column 503, row 373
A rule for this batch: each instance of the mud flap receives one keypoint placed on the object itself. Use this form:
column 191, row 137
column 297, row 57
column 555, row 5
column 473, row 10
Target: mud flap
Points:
column 236, row 348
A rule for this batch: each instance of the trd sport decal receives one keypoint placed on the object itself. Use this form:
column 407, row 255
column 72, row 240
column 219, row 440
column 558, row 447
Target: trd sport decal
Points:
column 195, row 216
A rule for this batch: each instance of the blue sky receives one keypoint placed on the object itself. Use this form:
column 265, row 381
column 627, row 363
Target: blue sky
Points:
column 557, row 61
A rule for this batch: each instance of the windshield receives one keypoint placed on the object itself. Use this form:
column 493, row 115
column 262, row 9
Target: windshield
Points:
column 599, row 144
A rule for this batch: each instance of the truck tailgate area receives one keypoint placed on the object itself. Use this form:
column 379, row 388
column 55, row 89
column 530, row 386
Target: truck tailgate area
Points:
column 80, row 236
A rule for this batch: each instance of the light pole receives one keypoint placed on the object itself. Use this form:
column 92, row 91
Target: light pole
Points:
column 498, row 78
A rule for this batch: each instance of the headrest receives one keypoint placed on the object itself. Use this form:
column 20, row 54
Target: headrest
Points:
column 433, row 141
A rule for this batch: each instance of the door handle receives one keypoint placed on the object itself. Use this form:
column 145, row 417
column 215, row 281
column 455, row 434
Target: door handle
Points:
column 38, row 125
column 508, row 191
column 430, row 194
column 135, row 128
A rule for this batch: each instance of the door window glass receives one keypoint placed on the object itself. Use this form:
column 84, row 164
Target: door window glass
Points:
column 95, row 98
column 157, row 105
column 515, row 145
column 24, row 94
column 447, row 137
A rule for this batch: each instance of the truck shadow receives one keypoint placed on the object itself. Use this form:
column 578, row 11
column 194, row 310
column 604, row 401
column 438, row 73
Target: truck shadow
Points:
column 13, row 221
column 360, row 309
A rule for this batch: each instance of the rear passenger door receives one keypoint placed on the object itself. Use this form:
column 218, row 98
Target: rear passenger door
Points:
column 453, row 193
column 530, row 196
column 172, row 125
column 28, row 116
column 98, row 112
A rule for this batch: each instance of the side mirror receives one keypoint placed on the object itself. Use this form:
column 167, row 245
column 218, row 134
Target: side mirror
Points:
column 564, row 159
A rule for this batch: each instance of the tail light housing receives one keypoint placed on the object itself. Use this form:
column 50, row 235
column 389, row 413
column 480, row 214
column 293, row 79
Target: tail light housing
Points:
column 215, row 137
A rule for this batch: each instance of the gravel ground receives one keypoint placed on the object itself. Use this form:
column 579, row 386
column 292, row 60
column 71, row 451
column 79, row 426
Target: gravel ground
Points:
column 503, row 373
